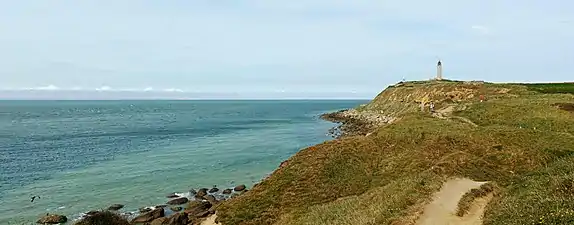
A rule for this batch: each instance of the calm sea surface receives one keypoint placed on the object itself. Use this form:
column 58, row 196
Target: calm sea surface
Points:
column 84, row 155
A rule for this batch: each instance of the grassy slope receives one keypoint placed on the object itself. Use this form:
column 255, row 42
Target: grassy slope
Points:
column 522, row 143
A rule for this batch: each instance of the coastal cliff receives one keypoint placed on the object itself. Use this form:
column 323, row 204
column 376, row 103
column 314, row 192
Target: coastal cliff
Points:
column 395, row 154
column 425, row 152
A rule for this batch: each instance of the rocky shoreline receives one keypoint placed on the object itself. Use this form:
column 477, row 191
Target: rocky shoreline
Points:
column 194, row 206
column 352, row 122
column 180, row 209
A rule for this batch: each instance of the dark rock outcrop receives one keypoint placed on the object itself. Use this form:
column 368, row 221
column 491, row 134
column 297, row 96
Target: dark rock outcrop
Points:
column 115, row 207
column 52, row 219
column 227, row 191
column 211, row 199
column 213, row 190
column 149, row 216
column 197, row 207
column 178, row 201
column 202, row 192
column 159, row 221
column 172, row 195
column 177, row 219
column 90, row 213
column 144, row 209
column 240, row 188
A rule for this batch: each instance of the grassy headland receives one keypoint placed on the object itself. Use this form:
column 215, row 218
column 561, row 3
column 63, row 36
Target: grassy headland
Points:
column 521, row 138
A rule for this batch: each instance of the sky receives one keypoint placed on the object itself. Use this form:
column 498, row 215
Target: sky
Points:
column 340, row 49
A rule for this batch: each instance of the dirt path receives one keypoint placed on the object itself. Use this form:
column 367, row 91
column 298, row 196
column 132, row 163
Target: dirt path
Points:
column 446, row 113
column 210, row 220
column 442, row 210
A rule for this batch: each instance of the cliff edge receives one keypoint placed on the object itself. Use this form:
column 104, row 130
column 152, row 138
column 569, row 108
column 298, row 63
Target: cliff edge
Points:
column 396, row 152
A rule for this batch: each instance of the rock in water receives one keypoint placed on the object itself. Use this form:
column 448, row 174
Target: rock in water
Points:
column 178, row 201
column 145, row 209
column 213, row 190
column 239, row 188
column 172, row 195
column 150, row 216
column 202, row 192
column 176, row 208
column 178, row 219
column 91, row 213
column 192, row 191
column 115, row 207
column 227, row 191
column 52, row 219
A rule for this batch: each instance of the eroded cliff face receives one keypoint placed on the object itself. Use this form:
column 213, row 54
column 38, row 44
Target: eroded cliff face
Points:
column 408, row 97
column 401, row 99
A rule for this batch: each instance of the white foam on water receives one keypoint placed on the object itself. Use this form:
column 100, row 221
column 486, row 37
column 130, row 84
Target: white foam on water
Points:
column 184, row 194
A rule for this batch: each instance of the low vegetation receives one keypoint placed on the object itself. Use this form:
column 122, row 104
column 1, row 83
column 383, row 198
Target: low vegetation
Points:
column 518, row 138
column 564, row 88
column 468, row 198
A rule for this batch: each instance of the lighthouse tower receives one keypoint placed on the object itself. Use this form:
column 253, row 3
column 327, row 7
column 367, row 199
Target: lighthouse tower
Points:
column 439, row 70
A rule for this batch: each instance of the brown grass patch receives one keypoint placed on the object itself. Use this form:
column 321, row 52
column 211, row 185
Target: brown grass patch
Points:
column 565, row 106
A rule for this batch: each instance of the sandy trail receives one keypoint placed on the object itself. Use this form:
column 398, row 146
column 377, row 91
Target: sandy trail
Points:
column 442, row 210
column 446, row 113
column 210, row 220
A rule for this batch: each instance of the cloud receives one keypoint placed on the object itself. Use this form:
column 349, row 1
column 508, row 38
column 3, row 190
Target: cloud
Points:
column 173, row 90
column 104, row 88
column 47, row 88
column 481, row 29
column 98, row 89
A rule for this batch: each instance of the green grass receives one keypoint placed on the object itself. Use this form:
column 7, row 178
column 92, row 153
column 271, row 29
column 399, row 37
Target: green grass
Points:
column 468, row 198
column 388, row 176
column 544, row 196
column 552, row 88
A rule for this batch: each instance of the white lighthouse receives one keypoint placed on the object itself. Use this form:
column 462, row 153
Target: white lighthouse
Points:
column 439, row 70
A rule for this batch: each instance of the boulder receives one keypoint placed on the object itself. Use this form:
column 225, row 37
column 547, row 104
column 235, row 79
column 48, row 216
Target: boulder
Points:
column 213, row 190
column 90, row 213
column 196, row 207
column 172, row 195
column 161, row 206
column 115, row 207
column 239, row 188
column 178, row 201
column 202, row 192
column 149, row 216
column 227, row 191
column 145, row 209
column 176, row 208
column 159, row 221
column 211, row 199
column 177, row 219
column 52, row 219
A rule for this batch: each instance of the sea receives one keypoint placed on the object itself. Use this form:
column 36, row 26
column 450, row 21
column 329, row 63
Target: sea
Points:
column 79, row 156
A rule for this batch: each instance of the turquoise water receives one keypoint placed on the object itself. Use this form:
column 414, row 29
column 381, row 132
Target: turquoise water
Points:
column 84, row 155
